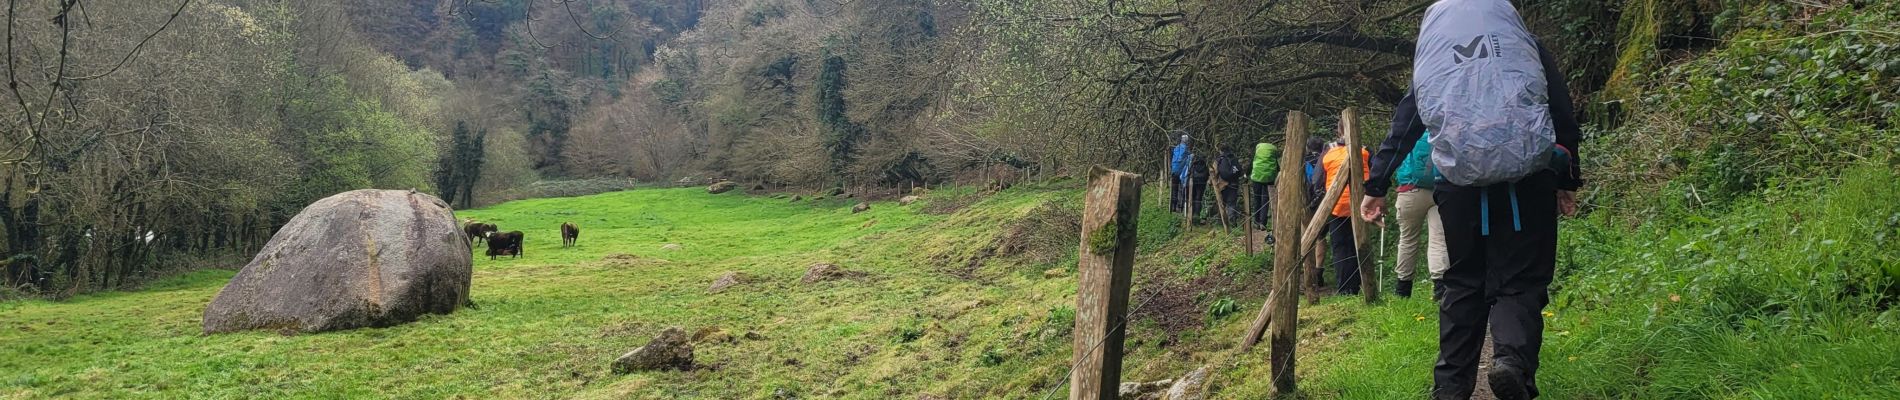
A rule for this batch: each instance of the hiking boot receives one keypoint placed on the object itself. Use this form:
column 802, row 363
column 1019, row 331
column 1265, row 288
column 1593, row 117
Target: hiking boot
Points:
column 1507, row 382
column 1404, row 290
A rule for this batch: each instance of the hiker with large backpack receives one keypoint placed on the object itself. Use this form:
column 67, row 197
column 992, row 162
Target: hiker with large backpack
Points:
column 1266, row 168
column 1227, row 169
column 1500, row 118
column 1197, row 174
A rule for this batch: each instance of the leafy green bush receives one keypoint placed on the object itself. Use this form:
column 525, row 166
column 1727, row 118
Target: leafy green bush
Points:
column 1221, row 308
column 1061, row 319
column 1157, row 226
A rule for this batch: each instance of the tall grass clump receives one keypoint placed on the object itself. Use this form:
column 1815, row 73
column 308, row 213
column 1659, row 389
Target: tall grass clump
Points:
column 1776, row 296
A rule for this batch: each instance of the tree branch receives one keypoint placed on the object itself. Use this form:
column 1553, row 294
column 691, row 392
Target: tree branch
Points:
column 135, row 49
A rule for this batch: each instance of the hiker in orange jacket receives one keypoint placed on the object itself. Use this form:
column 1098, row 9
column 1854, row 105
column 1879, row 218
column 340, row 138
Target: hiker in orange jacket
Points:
column 1345, row 254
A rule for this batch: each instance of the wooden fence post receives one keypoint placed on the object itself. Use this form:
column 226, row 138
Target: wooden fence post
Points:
column 1247, row 189
column 1105, row 270
column 1286, row 271
column 1307, row 238
column 1356, row 177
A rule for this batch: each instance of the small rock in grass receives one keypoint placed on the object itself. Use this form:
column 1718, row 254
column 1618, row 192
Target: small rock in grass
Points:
column 712, row 335
column 1143, row 390
column 907, row 200
column 721, row 187
column 1190, row 387
column 798, row 198
column 861, row 207
column 672, row 247
column 821, row 272
column 670, row 350
column 730, row 279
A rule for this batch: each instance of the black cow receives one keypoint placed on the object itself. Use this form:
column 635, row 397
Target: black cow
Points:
column 504, row 243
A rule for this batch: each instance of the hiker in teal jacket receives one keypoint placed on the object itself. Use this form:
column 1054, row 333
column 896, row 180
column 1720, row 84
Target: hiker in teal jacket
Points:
column 1418, row 214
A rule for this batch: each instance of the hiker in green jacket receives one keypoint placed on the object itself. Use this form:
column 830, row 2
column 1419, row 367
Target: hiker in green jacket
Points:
column 1266, row 167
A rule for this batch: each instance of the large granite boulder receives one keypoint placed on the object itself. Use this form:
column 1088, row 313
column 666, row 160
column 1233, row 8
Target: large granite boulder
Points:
column 365, row 258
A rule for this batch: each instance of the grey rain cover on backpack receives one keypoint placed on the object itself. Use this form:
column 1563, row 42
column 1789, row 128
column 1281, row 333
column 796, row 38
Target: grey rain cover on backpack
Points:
column 1481, row 90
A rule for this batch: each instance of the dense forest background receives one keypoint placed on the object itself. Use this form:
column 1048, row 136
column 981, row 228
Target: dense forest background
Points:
column 141, row 134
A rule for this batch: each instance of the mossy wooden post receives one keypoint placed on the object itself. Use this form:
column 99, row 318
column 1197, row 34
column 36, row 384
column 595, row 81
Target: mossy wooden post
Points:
column 1286, row 259
column 1106, row 267
column 1355, row 180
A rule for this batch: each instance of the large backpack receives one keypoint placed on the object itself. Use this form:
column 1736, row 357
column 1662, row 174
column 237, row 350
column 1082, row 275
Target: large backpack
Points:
column 1480, row 88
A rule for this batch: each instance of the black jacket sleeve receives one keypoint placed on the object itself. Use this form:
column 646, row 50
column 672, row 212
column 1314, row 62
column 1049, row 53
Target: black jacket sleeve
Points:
column 1564, row 116
column 1406, row 129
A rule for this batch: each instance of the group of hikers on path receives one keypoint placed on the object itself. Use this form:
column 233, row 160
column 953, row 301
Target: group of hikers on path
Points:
column 1483, row 149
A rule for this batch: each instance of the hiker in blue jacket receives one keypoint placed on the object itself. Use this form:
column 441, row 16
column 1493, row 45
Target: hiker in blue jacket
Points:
column 1178, row 168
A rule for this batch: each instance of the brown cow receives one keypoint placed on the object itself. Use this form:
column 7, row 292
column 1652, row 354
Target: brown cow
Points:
column 569, row 234
column 477, row 232
column 505, row 243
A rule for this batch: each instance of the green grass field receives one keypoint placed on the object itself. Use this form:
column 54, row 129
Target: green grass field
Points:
column 935, row 314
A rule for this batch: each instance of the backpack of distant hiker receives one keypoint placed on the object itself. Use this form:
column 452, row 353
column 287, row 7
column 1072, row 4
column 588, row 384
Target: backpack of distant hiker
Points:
column 1480, row 88
column 1227, row 168
column 1315, row 181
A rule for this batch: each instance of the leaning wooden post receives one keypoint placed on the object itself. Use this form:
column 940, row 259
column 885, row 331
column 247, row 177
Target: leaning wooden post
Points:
column 1286, row 270
column 1107, row 263
column 1166, row 194
column 1220, row 205
column 1356, row 177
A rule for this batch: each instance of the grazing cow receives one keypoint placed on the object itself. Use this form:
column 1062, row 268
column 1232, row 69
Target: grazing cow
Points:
column 477, row 232
column 504, row 243
column 569, row 234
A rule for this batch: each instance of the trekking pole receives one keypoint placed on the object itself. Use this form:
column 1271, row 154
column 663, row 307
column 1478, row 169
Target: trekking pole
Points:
column 1381, row 271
